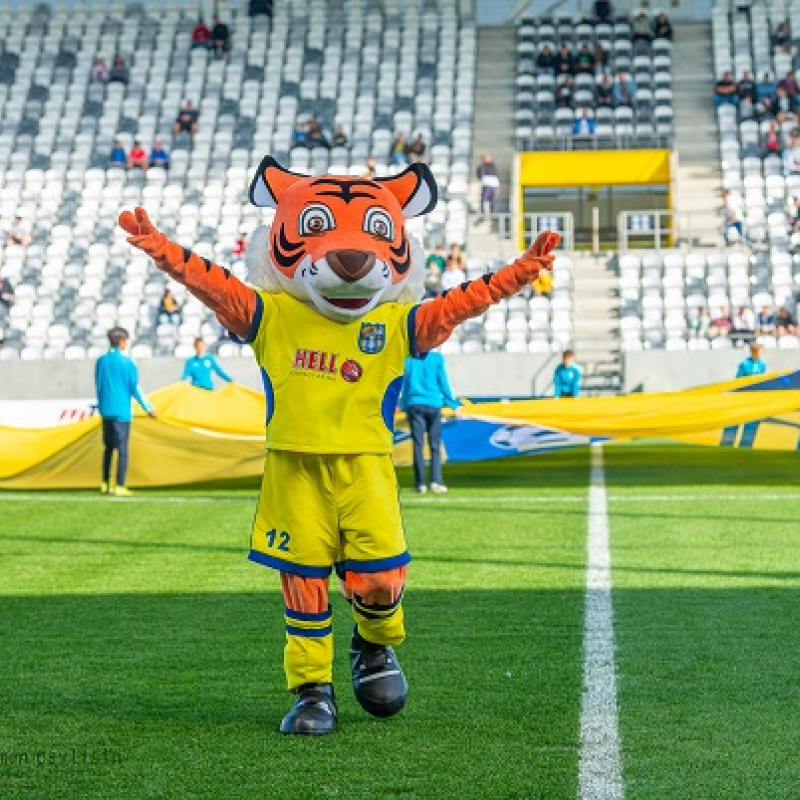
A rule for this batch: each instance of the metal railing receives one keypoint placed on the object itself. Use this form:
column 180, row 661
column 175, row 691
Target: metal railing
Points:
column 509, row 228
column 661, row 228
column 595, row 142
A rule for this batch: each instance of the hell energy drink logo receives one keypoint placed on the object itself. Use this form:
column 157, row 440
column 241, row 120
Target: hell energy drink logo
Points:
column 316, row 361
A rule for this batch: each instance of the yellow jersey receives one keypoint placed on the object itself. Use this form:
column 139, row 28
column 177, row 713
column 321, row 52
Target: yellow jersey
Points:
column 331, row 387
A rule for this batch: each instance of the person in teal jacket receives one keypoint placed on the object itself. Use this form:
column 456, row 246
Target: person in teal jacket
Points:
column 567, row 377
column 198, row 368
column 116, row 382
column 424, row 392
column 755, row 364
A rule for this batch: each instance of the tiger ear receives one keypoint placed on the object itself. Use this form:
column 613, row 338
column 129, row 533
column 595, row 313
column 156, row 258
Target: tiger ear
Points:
column 415, row 190
column 270, row 182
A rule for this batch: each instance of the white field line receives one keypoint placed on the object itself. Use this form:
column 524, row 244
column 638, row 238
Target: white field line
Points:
column 57, row 497
column 600, row 765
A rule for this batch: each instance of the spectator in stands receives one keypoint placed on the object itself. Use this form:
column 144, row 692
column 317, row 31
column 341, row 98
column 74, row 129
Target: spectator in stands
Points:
column 600, row 59
column 605, row 91
column 119, row 72
column 433, row 281
column 746, row 88
column 118, row 156
column 372, row 168
column 642, row 32
column 186, row 121
column 564, row 62
column 416, row 150
column 602, row 10
column 137, row 157
column 766, row 88
column 424, row 393
column 159, row 156
column 199, row 368
column 316, row 136
column 721, row 325
column 785, row 322
column 662, row 27
column 220, row 37
column 791, row 155
column 789, row 85
column 744, row 325
column 201, row 36
column 781, row 39
column 726, row 90
column 100, row 70
column 584, row 60
column 563, row 93
column 239, row 248
column 734, row 229
column 765, row 321
column 6, row 293
column 489, row 179
column 116, row 382
column 339, row 137
column 567, row 377
column 457, row 256
column 794, row 216
column 169, row 309
column 18, row 234
column 397, row 152
column 697, row 321
column 436, row 259
column 546, row 61
column 784, row 107
column 624, row 90
column 454, row 274
column 300, row 137
column 755, row 364
column 773, row 144
column 584, row 124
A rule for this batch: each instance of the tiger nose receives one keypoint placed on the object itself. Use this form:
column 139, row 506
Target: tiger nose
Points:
column 350, row 265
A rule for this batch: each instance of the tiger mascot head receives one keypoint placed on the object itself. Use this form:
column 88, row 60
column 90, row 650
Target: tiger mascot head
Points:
column 339, row 242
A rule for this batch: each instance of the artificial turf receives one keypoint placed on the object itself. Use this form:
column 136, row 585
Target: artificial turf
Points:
column 140, row 652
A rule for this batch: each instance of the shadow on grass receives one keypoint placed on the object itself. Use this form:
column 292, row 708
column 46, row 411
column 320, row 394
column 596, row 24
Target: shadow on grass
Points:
column 189, row 690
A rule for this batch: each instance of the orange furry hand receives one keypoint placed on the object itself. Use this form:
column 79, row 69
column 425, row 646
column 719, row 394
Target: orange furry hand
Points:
column 538, row 256
column 143, row 234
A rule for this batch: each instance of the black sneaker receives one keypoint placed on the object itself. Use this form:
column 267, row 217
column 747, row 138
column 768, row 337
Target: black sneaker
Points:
column 378, row 681
column 314, row 712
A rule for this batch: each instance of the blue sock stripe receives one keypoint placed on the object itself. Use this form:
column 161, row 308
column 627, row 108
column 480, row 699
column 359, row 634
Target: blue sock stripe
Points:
column 310, row 633
column 304, row 616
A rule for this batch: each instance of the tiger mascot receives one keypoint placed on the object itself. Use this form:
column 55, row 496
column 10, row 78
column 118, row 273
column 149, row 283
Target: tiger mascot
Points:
column 331, row 316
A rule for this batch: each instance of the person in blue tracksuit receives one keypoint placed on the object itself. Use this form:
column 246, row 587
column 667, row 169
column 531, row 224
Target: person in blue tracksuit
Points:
column 199, row 367
column 116, row 382
column 567, row 377
column 424, row 392
column 755, row 364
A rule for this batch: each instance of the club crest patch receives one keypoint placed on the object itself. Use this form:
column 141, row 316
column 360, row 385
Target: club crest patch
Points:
column 372, row 338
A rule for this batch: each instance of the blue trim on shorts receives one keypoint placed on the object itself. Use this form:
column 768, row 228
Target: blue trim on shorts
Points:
column 269, row 393
column 308, row 616
column 375, row 564
column 254, row 325
column 287, row 566
column 309, row 633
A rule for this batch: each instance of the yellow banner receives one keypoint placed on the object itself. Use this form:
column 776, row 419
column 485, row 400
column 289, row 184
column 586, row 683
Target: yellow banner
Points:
column 202, row 437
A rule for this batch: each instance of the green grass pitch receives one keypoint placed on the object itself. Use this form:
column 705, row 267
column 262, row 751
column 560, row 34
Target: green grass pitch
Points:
column 140, row 652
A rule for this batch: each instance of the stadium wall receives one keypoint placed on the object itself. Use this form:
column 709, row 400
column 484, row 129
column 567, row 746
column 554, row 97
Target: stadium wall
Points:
column 474, row 375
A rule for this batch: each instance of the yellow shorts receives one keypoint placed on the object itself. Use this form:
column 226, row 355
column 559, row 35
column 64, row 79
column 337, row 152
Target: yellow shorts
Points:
column 317, row 511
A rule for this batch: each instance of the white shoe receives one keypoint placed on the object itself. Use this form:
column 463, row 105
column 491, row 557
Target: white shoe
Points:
column 422, row 488
column 438, row 488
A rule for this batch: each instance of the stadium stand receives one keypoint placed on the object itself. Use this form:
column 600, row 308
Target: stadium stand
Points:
column 545, row 121
column 374, row 70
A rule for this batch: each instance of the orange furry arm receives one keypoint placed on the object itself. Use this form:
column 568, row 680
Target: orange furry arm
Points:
column 435, row 321
column 234, row 303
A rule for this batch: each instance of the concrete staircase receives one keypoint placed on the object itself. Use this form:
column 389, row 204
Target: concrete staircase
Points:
column 596, row 324
column 697, row 199
column 494, row 105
